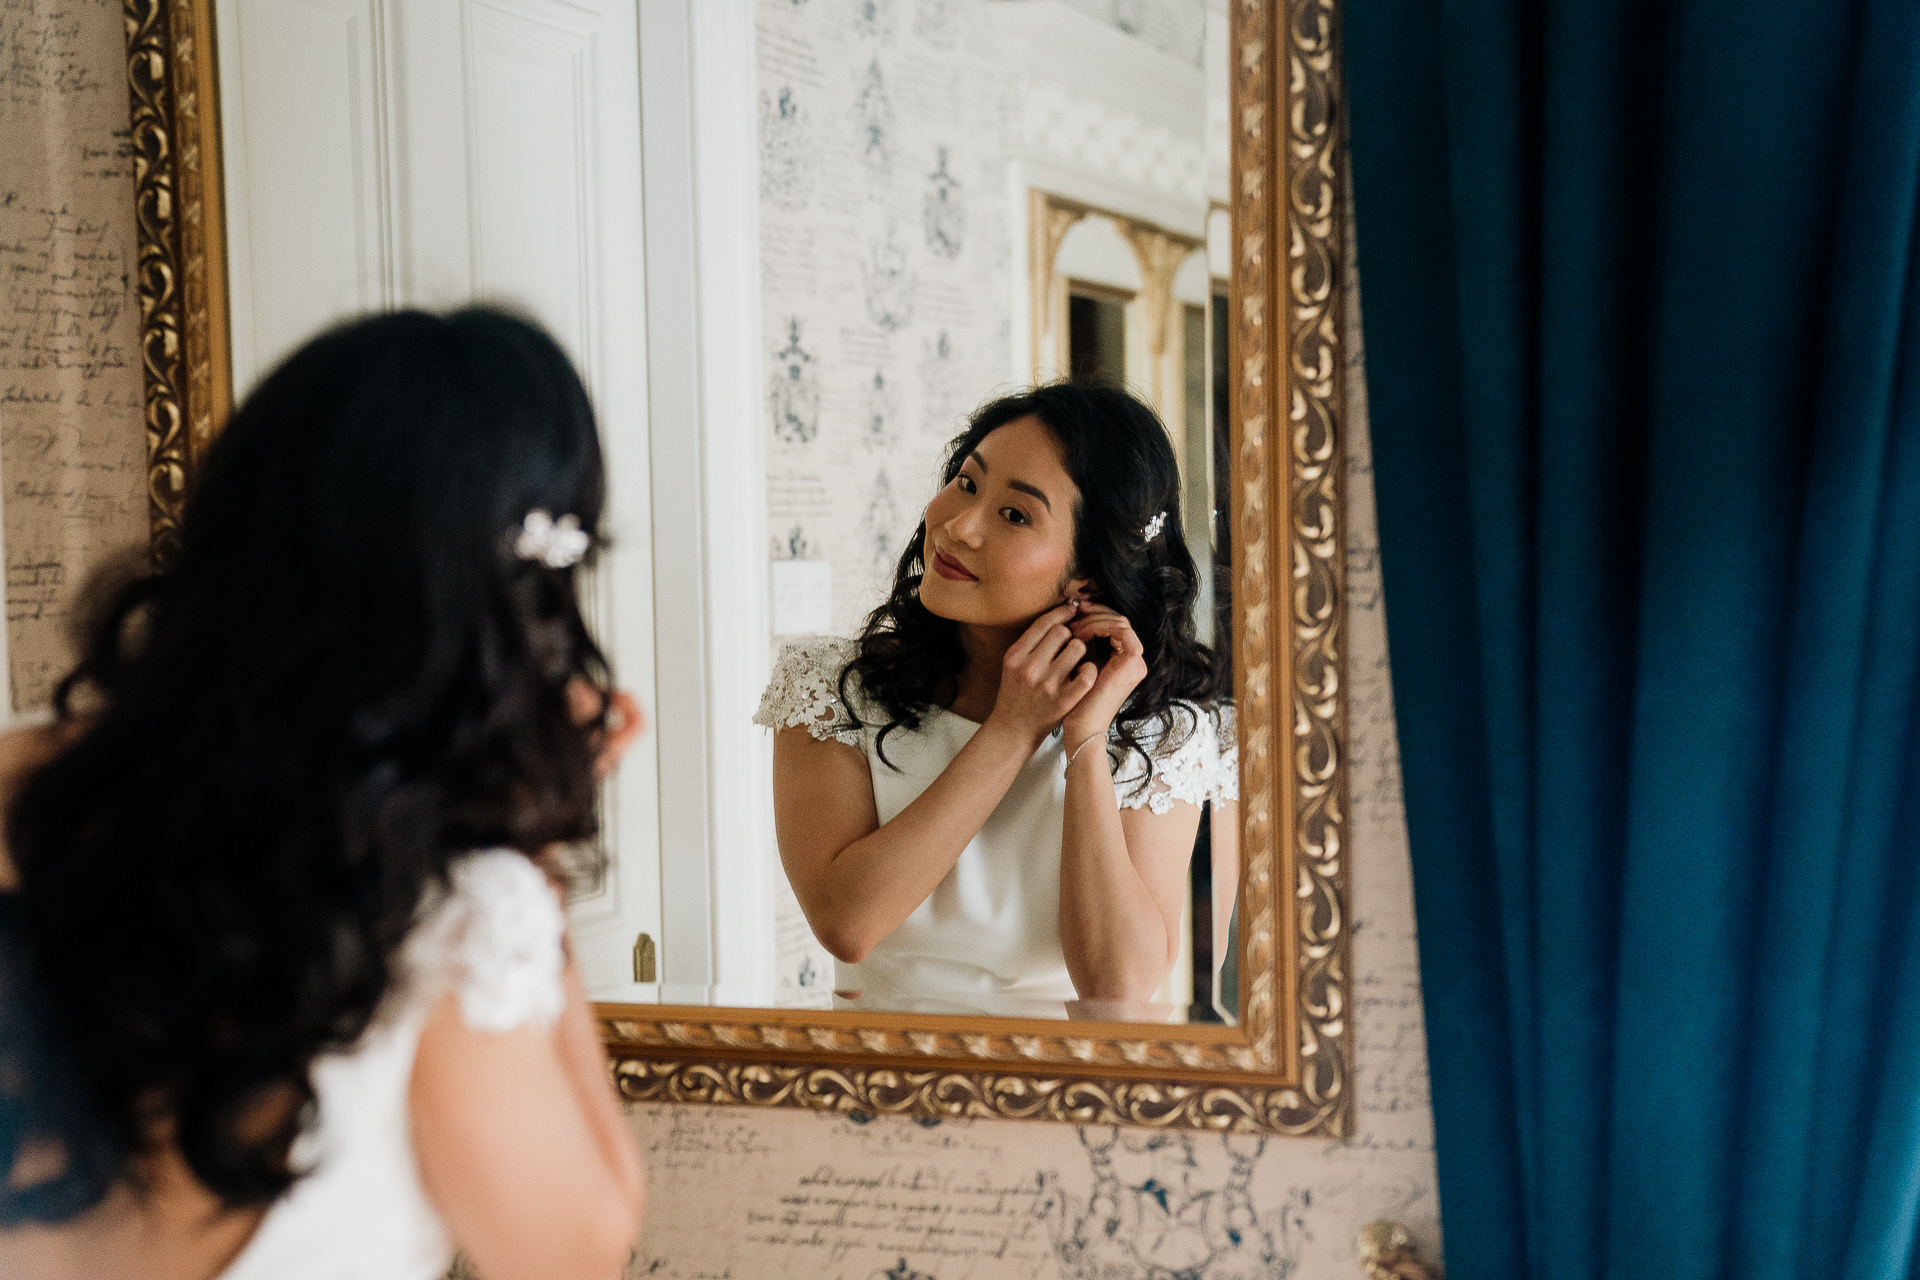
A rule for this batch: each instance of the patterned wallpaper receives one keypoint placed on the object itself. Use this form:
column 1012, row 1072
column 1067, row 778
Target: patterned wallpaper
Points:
column 885, row 268
column 886, row 287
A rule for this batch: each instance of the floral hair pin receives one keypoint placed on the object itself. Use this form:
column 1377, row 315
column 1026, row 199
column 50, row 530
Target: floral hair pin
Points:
column 554, row 543
column 1152, row 530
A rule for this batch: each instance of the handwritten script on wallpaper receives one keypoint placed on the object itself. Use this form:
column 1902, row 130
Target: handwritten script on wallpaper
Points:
column 72, row 443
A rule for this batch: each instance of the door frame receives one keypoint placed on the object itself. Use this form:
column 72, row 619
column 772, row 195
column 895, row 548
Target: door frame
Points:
column 700, row 171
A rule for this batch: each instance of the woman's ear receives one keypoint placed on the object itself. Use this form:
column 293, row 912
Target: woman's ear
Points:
column 1079, row 588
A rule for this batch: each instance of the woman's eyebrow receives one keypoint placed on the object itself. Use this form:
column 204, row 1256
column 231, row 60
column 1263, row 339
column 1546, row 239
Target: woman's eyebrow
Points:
column 1024, row 487
column 1021, row 485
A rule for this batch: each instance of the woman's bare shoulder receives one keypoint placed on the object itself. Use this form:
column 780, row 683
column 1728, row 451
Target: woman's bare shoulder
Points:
column 21, row 752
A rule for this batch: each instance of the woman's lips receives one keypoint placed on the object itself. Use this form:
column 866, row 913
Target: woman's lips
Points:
column 947, row 567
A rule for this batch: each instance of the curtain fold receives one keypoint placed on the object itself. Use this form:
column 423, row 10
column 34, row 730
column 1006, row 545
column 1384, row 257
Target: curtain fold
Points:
column 1644, row 373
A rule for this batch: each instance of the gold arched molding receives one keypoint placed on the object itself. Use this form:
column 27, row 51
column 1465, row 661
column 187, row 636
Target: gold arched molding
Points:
column 1157, row 251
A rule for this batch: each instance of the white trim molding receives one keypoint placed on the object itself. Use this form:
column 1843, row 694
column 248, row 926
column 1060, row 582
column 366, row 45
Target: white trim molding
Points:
column 701, row 208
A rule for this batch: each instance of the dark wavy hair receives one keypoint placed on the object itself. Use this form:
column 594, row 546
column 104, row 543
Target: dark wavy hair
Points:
column 1117, row 451
column 346, row 679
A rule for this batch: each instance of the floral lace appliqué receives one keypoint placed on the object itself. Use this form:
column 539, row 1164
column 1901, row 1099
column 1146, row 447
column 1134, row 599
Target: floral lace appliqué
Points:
column 805, row 690
column 496, row 940
column 1204, row 766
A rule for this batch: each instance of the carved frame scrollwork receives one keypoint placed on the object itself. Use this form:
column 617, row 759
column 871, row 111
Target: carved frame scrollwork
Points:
column 1287, row 1068
column 181, row 274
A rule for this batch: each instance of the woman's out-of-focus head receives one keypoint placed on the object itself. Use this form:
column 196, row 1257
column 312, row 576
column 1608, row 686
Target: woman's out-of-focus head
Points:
column 380, row 470
column 348, row 677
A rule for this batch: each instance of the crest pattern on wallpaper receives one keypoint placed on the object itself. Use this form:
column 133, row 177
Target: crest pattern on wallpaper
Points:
column 885, row 267
column 886, row 293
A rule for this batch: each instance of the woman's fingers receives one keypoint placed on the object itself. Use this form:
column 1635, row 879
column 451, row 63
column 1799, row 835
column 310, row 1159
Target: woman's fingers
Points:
column 1069, row 656
column 1096, row 616
column 625, row 721
column 1037, row 631
column 1077, row 686
column 1056, row 642
column 1116, row 629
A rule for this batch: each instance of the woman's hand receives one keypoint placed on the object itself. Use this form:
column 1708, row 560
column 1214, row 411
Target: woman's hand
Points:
column 1044, row 676
column 624, row 721
column 1123, row 672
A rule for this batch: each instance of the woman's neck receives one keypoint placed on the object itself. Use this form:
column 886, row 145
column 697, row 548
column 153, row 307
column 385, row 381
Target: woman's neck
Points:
column 979, row 682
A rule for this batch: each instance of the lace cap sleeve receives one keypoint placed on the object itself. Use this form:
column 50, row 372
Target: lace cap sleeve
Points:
column 1201, row 767
column 805, row 690
column 496, row 940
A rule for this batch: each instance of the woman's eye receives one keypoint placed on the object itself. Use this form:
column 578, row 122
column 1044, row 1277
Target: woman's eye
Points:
column 965, row 483
column 1014, row 515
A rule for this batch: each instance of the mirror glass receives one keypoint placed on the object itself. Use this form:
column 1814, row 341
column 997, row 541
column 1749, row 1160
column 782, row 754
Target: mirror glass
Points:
column 960, row 200
column 957, row 200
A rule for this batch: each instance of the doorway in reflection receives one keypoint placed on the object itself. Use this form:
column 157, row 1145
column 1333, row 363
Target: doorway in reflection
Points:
column 1097, row 332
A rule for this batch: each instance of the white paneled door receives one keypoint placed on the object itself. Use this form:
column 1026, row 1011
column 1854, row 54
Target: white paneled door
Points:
column 389, row 153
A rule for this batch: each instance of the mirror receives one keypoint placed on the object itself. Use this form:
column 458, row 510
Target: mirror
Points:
column 956, row 202
column 951, row 200
column 1284, row 1065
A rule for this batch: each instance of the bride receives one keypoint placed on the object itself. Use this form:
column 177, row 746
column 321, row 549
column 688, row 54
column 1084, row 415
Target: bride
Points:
column 987, row 801
column 285, row 992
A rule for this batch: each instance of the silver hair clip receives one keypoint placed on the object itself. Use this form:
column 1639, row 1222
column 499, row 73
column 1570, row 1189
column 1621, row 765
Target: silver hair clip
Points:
column 1152, row 530
column 554, row 543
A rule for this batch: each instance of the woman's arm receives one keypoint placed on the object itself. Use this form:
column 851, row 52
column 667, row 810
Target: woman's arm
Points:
column 856, row 879
column 1122, row 875
column 522, row 1146
column 1225, row 837
column 1122, row 880
column 521, row 1141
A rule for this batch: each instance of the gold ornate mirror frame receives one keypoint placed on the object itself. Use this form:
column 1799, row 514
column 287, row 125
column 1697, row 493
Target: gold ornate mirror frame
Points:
column 182, row 263
column 1287, row 1068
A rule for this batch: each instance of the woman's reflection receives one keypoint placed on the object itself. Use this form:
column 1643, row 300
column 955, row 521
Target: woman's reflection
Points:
column 987, row 801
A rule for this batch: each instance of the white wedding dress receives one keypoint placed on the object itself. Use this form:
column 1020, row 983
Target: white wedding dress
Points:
column 496, row 939
column 987, row 940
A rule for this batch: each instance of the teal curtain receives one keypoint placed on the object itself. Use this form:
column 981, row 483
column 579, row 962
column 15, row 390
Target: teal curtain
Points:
column 1644, row 369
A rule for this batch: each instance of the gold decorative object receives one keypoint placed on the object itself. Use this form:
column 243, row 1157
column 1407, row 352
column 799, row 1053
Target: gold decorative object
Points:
column 1286, row 1067
column 1049, row 218
column 1387, row 1253
column 1159, row 254
column 1316, row 593
column 181, row 276
column 1157, row 251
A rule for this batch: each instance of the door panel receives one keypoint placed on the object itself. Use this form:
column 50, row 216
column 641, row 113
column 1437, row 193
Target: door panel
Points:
column 445, row 151
column 305, row 134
